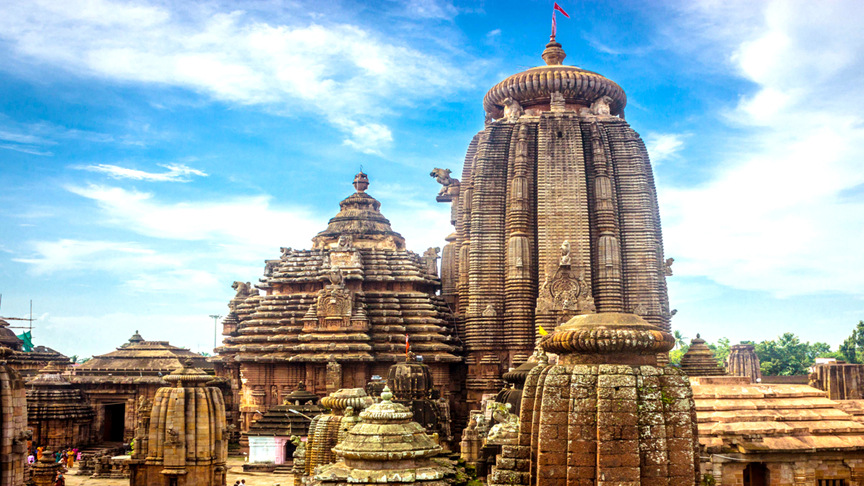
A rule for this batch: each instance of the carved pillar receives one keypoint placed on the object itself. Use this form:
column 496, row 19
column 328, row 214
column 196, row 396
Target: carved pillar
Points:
column 449, row 272
column 607, row 252
column 518, row 286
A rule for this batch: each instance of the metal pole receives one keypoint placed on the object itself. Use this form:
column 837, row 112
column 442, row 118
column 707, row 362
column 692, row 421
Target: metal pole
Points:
column 215, row 327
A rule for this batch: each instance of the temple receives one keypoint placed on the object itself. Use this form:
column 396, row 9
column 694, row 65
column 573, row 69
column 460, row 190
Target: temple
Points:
column 555, row 214
column 338, row 314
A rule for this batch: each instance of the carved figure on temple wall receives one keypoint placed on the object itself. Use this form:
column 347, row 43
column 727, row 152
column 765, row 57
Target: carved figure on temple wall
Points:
column 450, row 185
column 557, row 101
column 243, row 289
column 489, row 120
column 669, row 262
column 512, row 110
column 600, row 107
column 489, row 311
column 565, row 254
column 336, row 277
column 640, row 310
column 506, row 430
column 431, row 259
column 269, row 267
column 172, row 437
column 345, row 243
column 286, row 252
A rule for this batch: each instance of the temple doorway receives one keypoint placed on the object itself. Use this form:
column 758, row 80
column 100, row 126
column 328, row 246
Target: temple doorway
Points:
column 115, row 422
column 289, row 452
column 756, row 474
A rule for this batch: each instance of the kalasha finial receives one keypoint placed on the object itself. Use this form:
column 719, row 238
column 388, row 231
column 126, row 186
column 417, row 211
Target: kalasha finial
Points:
column 361, row 181
column 553, row 54
column 386, row 394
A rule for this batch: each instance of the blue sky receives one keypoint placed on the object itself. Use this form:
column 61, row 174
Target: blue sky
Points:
column 153, row 152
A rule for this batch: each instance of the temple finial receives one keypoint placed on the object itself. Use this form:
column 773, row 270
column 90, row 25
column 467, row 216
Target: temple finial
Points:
column 553, row 54
column 361, row 181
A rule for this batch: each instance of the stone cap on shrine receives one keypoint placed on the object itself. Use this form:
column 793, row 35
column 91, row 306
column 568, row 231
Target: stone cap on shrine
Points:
column 536, row 85
column 8, row 339
column 188, row 374
column 360, row 219
column 50, row 375
column 699, row 360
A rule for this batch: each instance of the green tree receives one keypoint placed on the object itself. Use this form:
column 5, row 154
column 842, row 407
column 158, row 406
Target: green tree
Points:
column 787, row 355
column 680, row 339
column 676, row 354
column 852, row 348
column 720, row 350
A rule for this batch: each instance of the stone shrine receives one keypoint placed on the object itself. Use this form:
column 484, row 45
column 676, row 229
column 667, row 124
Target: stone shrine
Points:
column 186, row 442
column 270, row 436
column 556, row 215
column 386, row 447
column 606, row 413
column 115, row 382
column 699, row 360
column 742, row 361
column 337, row 314
column 841, row 381
column 58, row 413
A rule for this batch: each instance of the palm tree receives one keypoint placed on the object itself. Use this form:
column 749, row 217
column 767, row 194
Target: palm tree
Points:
column 680, row 339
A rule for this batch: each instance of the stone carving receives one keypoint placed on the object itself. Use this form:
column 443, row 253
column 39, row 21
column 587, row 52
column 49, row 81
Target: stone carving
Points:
column 488, row 120
column 506, row 431
column 172, row 437
column 601, row 106
column 430, row 257
column 286, row 252
column 640, row 310
column 556, row 101
column 512, row 110
column 243, row 289
column 565, row 254
column 668, row 266
column 450, row 185
column 489, row 311
column 567, row 289
column 345, row 243
column 269, row 267
column 335, row 301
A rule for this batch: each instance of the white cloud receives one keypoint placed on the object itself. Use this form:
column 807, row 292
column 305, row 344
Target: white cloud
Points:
column 69, row 255
column 247, row 221
column 773, row 216
column 337, row 71
column 26, row 149
column 663, row 146
column 176, row 172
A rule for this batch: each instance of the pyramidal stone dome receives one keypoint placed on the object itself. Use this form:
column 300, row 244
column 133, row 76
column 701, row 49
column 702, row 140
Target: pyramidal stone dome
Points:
column 699, row 360
column 360, row 219
column 385, row 447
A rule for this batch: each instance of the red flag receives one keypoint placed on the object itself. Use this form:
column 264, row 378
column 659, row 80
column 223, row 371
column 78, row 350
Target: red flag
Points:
column 406, row 345
column 558, row 8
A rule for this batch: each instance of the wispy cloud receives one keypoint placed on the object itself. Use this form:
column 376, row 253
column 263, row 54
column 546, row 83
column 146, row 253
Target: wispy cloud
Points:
column 225, row 221
column 773, row 216
column 176, row 172
column 26, row 149
column 69, row 255
column 336, row 71
column 663, row 146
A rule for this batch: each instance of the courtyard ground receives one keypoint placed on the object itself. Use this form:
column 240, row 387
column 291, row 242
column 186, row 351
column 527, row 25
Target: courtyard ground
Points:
column 235, row 473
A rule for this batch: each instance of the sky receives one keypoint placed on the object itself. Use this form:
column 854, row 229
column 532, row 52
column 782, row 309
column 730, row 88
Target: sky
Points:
column 151, row 153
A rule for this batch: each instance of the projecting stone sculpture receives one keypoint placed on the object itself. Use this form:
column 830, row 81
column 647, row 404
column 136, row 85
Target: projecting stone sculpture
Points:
column 430, row 258
column 600, row 107
column 512, row 110
column 506, row 430
column 449, row 185
column 243, row 289
column 668, row 269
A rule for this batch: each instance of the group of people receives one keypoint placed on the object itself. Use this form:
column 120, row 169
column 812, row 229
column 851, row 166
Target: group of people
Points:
column 65, row 457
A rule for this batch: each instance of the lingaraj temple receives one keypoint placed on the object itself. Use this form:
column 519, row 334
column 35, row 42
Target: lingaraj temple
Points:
column 535, row 353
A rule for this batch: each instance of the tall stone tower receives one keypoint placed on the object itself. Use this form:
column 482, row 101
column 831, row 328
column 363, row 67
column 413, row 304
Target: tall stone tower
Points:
column 556, row 216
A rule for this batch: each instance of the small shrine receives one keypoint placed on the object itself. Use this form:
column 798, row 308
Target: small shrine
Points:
column 699, row 360
column 186, row 442
column 270, row 437
column 386, row 447
column 743, row 361
column 58, row 413
column 13, row 424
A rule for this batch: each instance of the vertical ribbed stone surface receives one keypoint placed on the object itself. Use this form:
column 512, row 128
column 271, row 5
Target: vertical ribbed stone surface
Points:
column 574, row 176
column 186, row 437
column 13, row 424
column 605, row 414
column 742, row 361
